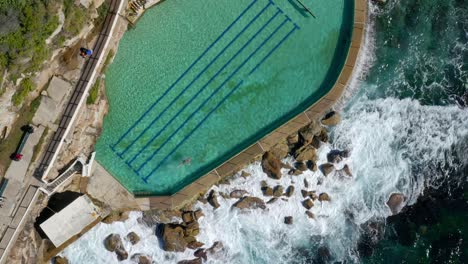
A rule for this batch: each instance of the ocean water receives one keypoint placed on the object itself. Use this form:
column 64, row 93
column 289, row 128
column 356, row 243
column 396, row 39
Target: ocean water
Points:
column 190, row 90
column 406, row 134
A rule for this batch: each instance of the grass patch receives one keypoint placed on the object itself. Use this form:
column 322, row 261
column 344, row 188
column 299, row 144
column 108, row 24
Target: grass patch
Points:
column 109, row 57
column 9, row 145
column 38, row 147
column 75, row 17
column 24, row 89
column 93, row 93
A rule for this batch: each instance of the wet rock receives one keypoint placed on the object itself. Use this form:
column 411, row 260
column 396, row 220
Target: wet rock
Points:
column 306, row 183
column 278, row 191
column 311, row 165
column 200, row 253
column 396, row 202
column 347, row 170
column 245, row 174
column 300, row 166
column 271, row 165
column 310, row 214
column 250, row 202
column 307, row 133
column 324, row 197
column 308, row 204
column 190, row 239
column 292, row 139
column 327, row 168
column 272, row 200
column 112, row 242
column 372, row 233
column 191, row 261
column 313, row 195
column 316, row 142
column 60, row 260
column 289, row 191
column 195, row 244
column 172, row 236
column 213, row 199
column 263, row 184
column 336, row 156
column 280, row 150
column 285, row 166
column 192, row 229
column 288, row 220
column 141, row 259
column 238, row 193
column 133, row 238
column 306, row 153
column 267, row 191
column 198, row 214
column 304, row 193
column 122, row 254
column 331, row 119
column 323, row 135
column 284, row 199
column 188, row 217
column 323, row 255
column 295, row 172
column 215, row 248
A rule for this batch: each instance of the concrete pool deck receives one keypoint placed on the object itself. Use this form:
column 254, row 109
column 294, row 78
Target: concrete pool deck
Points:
column 314, row 112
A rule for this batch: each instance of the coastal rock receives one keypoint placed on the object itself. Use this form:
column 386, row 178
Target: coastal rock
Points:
column 285, row 166
column 250, row 202
column 316, row 142
column 263, row 184
column 278, row 191
column 308, row 204
column 289, row 191
column 313, row 195
column 195, row 244
column 271, row 165
column 306, row 153
column 172, row 236
column 112, row 242
column 311, row 165
column 224, row 195
column 396, row 202
column 331, row 119
column 323, row 135
column 200, row 253
column 307, row 133
column 238, row 193
column 215, row 248
column 295, row 172
column 324, row 197
column 306, row 183
column 141, row 259
column 60, row 260
column 267, row 191
column 198, row 214
column 292, row 139
column 245, row 174
column 192, row 229
column 133, row 238
column 347, row 170
column 272, row 200
column 327, row 168
column 191, row 261
column 288, row 220
column 300, row 166
column 310, row 214
column 304, row 193
column 336, row 156
column 122, row 254
column 213, row 199
column 280, row 150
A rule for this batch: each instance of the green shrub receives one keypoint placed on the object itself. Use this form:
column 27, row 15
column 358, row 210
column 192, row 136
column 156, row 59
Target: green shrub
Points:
column 93, row 93
column 24, row 89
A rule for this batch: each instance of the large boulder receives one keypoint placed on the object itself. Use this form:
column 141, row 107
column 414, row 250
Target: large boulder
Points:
column 122, row 254
column 215, row 248
column 250, row 202
column 188, row 217
column 308, row 204
column 327, row 168
column 289, row 191
column 331, row 119
column 133, row 238
column 267, row 191
column 347, row 170
column 278, row 191
column 213, row 199
column 271, row 165
column 238, row 193
column 141, row 259
column 112, row 242
column 300, row 166
column 172, row 236
column 396, row 202
column 310, row 214
column 60, row 260
column 324, row 197
column 280, row 150
column 306, row 153
column 311, row 165
column 288, row 220
column 307, row 133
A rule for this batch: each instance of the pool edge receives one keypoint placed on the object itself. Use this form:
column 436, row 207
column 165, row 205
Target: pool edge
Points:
column 232, row 165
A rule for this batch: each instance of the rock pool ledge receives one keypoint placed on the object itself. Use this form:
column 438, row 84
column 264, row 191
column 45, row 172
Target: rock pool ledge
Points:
column 314, row 112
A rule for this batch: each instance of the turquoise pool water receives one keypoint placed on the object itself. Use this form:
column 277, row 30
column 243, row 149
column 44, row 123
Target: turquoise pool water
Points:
column 202, row 80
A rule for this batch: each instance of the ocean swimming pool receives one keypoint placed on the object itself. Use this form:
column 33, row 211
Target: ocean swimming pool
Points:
column 202, row 80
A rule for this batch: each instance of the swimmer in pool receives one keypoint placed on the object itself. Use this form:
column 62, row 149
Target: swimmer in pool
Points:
column 186, row 161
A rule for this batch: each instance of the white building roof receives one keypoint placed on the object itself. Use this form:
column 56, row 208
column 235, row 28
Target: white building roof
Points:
column 70, row 220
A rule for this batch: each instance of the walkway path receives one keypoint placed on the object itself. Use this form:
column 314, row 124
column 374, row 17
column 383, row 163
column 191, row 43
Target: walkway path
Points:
column 79, row 94
column 16, row 217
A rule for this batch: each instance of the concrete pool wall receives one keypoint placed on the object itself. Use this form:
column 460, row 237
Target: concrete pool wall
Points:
column 313, row 112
